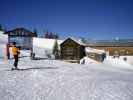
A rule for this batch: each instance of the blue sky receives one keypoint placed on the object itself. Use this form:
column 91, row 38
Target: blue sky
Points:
column 93, row 19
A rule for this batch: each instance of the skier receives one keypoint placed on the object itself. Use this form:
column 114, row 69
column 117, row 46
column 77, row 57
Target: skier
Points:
column 15, row 53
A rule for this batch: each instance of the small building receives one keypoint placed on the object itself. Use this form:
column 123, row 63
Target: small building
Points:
column 72, row 50
column 96, row 54
column 22, row 37
column 122, row 47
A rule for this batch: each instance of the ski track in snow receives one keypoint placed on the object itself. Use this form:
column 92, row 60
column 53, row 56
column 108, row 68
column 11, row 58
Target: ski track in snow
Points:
column 57, row 80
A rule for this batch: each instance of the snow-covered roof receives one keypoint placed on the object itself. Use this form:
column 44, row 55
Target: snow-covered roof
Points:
column 76, row 40
column 92, row 50
column 45, row 43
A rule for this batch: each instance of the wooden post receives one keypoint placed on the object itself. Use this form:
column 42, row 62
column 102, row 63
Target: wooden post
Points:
column 7, row 51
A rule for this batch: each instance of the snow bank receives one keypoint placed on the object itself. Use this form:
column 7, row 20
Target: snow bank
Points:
column 129, row 59
column 110, row 62
column 87, row 61
column 117, row 62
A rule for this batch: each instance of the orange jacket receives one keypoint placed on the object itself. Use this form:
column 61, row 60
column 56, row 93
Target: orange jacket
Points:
column 15, row 51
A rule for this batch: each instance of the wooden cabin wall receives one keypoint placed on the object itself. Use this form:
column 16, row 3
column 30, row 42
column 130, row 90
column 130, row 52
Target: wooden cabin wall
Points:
column 70, row 50
column 123, row 51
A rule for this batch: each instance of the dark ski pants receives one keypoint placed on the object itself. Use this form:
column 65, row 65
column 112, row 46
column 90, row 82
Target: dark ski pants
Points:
column 16, row 61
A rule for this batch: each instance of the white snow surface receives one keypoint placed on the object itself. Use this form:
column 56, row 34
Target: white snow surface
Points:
column 58, row 80
column 110, row 61
column 118, row 62
column 129, row 59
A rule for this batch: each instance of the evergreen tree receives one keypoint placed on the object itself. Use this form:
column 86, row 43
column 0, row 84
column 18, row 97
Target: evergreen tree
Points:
column 1, row 28
column 56, row 50
column 56, row 36
column 50, row 35
column 5, row 29
column 46, row 35
column 35, row 32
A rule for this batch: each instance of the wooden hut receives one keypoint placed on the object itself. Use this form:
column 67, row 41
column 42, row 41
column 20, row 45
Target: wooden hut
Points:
column 72, row 50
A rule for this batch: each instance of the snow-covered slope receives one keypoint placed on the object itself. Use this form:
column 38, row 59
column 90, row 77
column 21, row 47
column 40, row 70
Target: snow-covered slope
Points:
column 56, row 80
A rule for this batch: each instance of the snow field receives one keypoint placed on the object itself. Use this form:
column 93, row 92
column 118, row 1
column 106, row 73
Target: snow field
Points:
column 57, row 80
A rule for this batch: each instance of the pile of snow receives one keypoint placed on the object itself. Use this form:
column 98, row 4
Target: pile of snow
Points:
column 109, row 61
column 43, row 47
column 87, row 60
column 117, row 62
column 129, row 59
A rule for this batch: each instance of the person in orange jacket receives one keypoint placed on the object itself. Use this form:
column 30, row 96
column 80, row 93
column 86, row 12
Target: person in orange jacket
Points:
column 15, row 53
